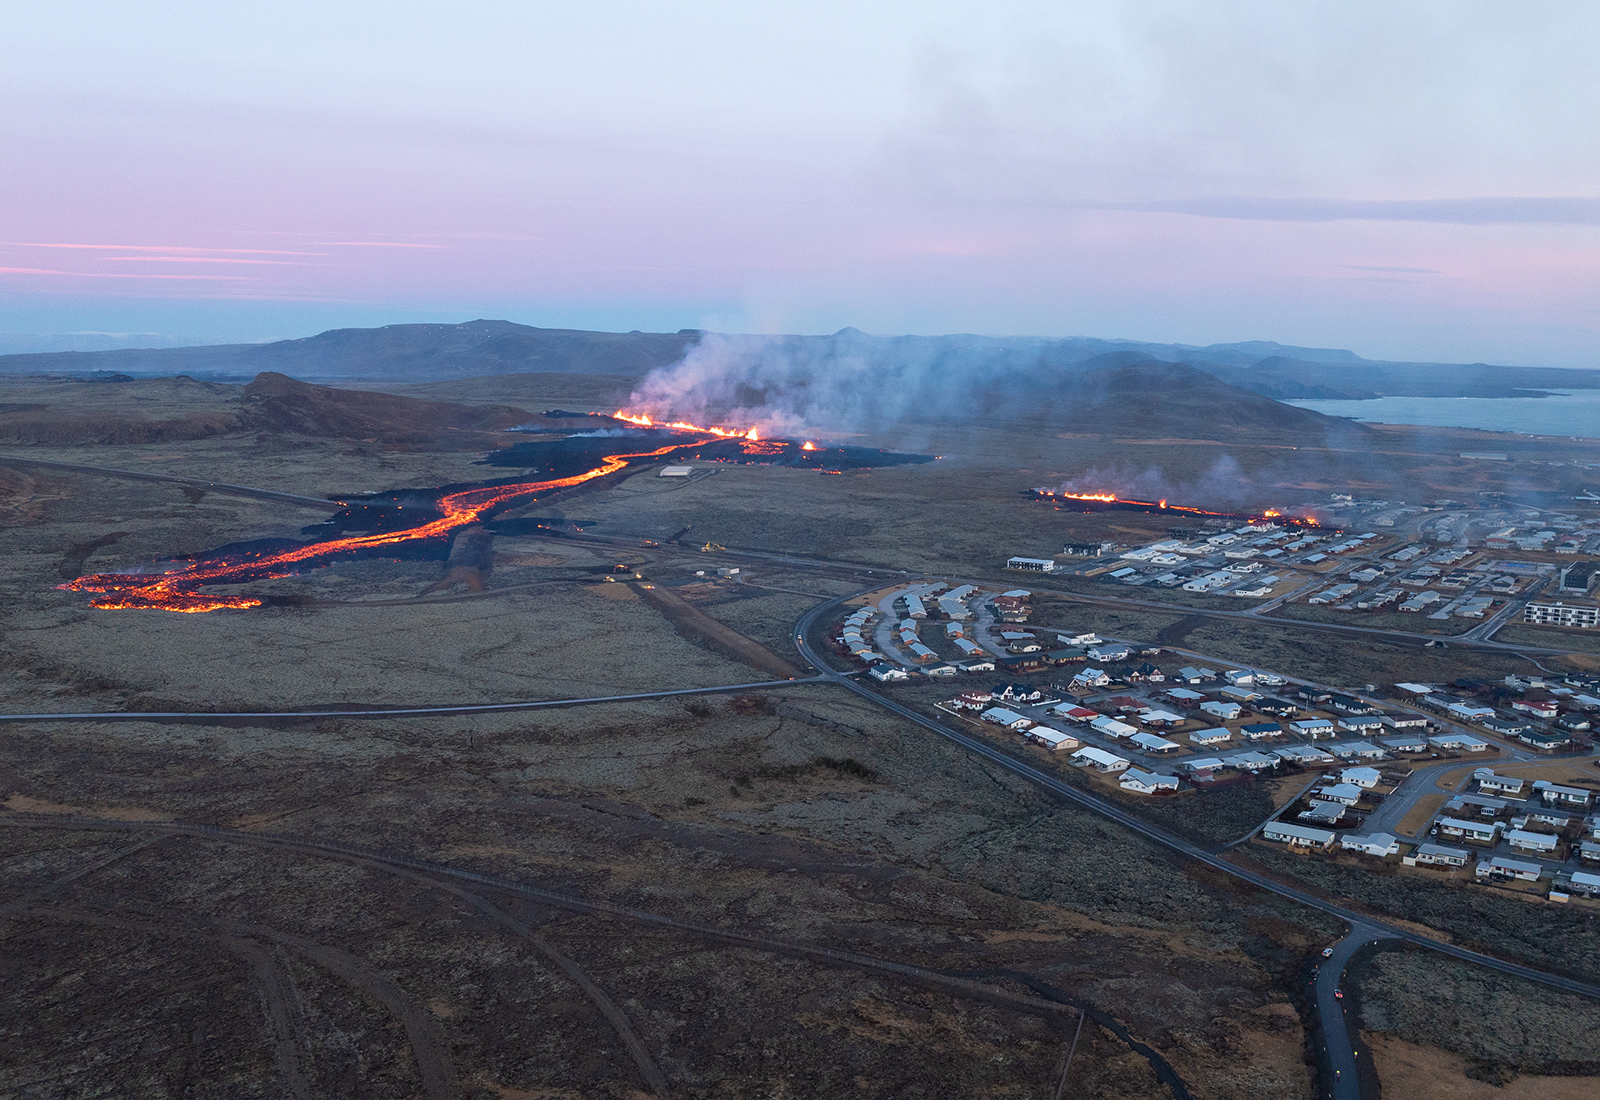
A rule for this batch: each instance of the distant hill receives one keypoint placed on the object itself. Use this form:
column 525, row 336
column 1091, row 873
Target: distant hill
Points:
column 421, row 354
column 395, row 353
column 1123, row 394
column 166, row 410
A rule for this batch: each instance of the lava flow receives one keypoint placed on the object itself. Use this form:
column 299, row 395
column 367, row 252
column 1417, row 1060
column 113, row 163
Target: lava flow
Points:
column 178, row 590
column 1111, row 502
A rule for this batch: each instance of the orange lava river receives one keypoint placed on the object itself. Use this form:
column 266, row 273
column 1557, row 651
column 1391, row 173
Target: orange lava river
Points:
column 178, row 590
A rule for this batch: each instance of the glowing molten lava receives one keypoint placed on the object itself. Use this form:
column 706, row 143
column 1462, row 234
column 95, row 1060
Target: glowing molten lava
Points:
column 178, row 590
column 644, row 420
column 1126, row 502
column 809, row 446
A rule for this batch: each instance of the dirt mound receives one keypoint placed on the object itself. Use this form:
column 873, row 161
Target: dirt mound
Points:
column 277, row 403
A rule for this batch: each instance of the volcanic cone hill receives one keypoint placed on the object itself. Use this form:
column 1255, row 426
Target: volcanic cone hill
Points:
column 277, row 403
column 119, row 411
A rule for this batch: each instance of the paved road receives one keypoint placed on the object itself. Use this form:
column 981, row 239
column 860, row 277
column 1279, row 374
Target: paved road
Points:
column 221, row 487
column 1342, row 1060
column 390, row 712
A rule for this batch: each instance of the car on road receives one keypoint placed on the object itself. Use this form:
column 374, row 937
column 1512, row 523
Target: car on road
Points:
column 1327, row 952
column 1339, row 994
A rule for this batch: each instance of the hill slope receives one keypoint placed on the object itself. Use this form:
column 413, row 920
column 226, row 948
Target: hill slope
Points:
column 167, row 410
column 395, row 353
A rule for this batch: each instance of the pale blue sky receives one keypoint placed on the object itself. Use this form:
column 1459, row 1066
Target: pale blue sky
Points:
column 1412, row 180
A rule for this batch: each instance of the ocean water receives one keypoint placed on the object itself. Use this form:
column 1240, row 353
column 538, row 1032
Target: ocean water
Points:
column 1568, row 414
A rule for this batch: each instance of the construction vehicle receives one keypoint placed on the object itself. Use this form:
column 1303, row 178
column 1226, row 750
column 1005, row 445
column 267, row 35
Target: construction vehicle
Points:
column 712, row 546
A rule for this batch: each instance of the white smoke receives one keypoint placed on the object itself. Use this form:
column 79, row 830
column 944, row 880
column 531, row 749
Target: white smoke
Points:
column 847, row 382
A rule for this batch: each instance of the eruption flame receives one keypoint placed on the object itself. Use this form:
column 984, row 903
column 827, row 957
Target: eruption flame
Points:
column 644, row 420
column 1162, row 505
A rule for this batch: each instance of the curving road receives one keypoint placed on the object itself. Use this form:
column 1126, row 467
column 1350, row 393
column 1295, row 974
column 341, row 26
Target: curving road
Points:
column 1345, row 1075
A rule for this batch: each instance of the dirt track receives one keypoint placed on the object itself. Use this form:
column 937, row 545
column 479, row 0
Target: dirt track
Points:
column 695, row 625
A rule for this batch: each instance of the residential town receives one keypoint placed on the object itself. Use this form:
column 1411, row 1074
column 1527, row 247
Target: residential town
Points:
column 1148, row 721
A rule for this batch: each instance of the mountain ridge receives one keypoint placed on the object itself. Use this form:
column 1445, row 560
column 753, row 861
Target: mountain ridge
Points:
column 421, row 353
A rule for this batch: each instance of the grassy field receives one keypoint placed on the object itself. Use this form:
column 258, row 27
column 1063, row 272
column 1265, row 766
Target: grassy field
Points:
column 1567, row 941
column 1378, row 620
column 1500, row 1026
column 1549, row 637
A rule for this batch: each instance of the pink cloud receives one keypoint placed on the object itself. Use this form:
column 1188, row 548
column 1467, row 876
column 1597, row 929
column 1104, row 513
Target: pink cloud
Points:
column 116, row 275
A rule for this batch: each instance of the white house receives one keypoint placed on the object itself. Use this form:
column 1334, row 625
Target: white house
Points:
column 1074, row 712
column 1239, row 677
column 1099, row 759
column 1365, row 778
column 1586, row 884
column 1322, row 812
column 1054, row 740
column 1203, row 766
column 1346, row 794
column 1225, row 711
column 1511, row 868
column 1524, row 841
column 1313, row 727
column 1439, row 856
column 1562, row 796
column 1378, row 844
column 1251, row 761
column 1297, row 836
column 1010, row 719
column 1502, row 784
column 1149, row 742
column 1458, row 742
column 1302, row 755
column 1484, row 832
column 1162, row 718
column 1404, row 721
column 1406, row 744
column 887, row 672
column 1143, row 782
column 1110, row 727
column 1209, row 737
column 1356, row 750
column 1261, row 731
column 1361, row 723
